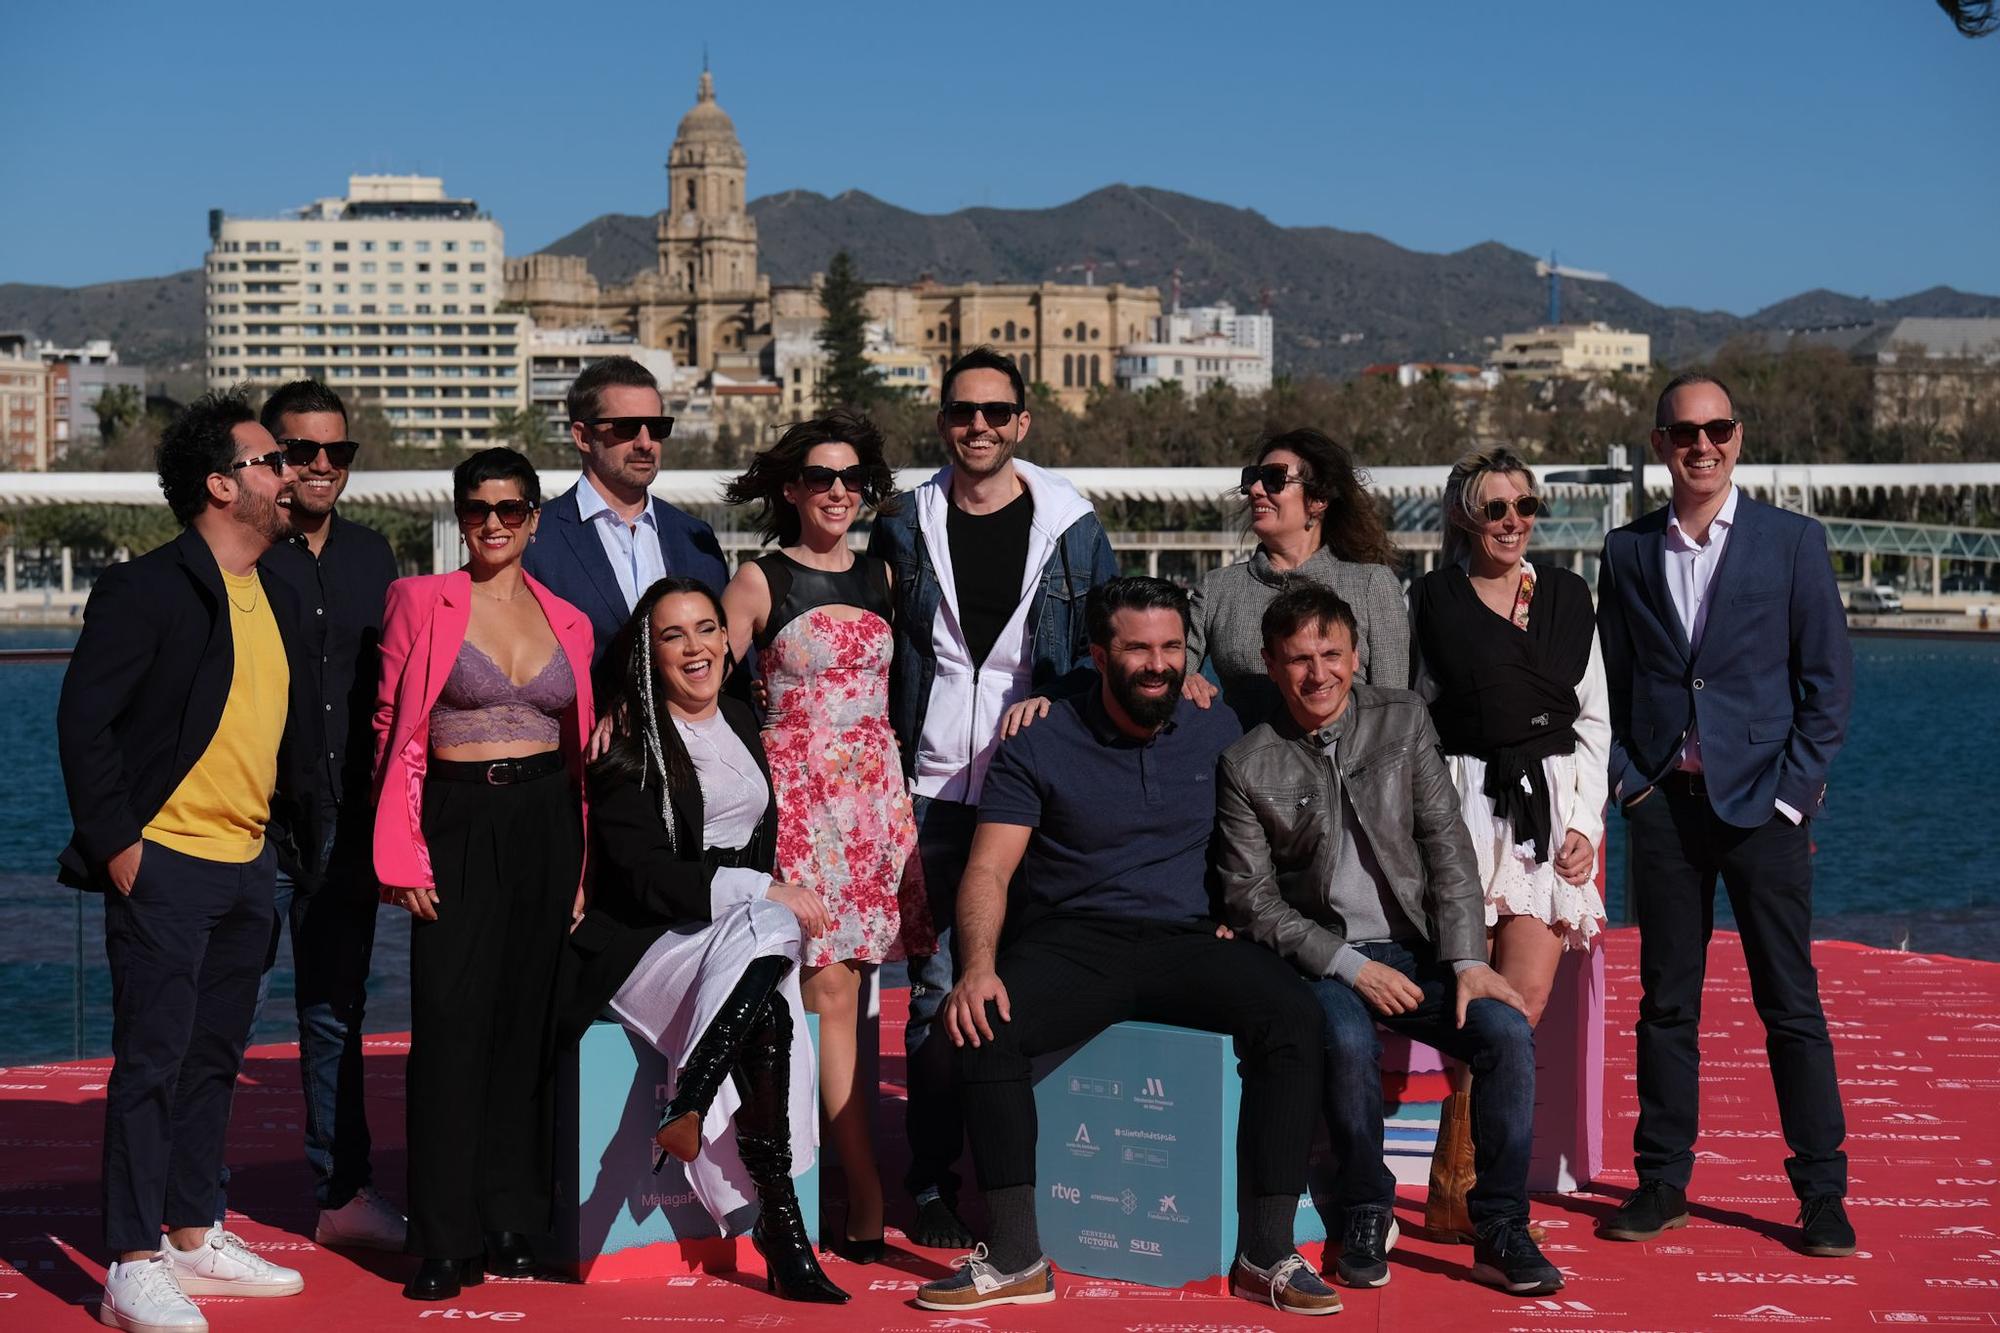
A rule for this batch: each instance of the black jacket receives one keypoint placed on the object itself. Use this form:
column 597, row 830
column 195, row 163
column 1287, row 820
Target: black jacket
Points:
column 144, row 693
column 641, row 886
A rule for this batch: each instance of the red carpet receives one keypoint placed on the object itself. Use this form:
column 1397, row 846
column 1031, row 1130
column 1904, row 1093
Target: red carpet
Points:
column 1918, row 1039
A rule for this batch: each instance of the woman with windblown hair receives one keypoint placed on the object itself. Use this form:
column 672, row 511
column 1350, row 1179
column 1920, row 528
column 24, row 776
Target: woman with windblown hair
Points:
column 688, row 939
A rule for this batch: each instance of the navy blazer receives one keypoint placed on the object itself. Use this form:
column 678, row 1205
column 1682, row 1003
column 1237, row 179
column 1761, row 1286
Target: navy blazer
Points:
column 568, row 556
column 1771, row 685
column 144, row 693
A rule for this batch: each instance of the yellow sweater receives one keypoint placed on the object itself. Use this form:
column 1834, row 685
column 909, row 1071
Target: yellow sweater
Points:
column 219, row 811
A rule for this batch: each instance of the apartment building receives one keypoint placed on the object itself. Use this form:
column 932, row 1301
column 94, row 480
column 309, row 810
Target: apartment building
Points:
column 390, row 295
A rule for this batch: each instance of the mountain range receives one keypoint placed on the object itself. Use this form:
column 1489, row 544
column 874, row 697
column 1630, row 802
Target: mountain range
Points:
column 1340, row 299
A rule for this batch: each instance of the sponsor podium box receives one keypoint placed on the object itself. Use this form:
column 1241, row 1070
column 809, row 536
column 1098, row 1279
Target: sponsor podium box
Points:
column 1136, row 1156
column 614, row 1218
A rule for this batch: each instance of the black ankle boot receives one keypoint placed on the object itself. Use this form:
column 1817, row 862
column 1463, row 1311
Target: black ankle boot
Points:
column 764, row 1140
column 713, row 1056
column 508, row 1254
column 440, row 1279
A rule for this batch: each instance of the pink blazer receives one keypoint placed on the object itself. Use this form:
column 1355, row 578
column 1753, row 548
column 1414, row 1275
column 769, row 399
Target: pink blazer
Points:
column 423, row 628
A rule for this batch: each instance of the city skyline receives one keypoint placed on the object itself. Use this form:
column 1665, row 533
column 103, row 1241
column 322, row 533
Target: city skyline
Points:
column 1729, row 162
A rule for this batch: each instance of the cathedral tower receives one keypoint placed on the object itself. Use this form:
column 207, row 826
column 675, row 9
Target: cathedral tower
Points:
column 708, row 240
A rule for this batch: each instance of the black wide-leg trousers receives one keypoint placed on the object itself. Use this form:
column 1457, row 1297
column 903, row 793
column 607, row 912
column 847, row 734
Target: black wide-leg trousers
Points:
column 479, row 1101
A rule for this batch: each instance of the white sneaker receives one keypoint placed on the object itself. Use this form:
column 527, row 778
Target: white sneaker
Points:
column 367, row 1220
column 222, row 1265
column 141, row 1296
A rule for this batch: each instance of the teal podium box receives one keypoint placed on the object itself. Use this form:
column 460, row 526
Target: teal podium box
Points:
column 1136, row 1157
column 615, row 1219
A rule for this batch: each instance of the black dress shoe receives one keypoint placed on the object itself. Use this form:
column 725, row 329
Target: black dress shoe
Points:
column 858, row 1251
column 938, row 1226
column 1654, row 1207
column 508, row 1254
column 440, row 1279
column 1824, row 1229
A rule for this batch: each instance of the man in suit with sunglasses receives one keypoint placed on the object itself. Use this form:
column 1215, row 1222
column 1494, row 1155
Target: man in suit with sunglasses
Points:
column 605, row 540
column 340, row 571
column 993, row 559
column 1730, row 674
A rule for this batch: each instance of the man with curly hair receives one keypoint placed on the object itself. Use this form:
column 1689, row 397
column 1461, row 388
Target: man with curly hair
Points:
column 182, row 728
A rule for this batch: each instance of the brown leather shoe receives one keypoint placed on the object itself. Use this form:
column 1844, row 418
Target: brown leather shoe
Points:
column 1290, row 1286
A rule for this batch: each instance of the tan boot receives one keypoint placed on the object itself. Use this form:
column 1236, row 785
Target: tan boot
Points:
column 1446, row 1221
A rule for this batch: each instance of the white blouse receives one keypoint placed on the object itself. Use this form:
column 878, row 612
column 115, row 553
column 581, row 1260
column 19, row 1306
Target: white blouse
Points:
column 733, row 798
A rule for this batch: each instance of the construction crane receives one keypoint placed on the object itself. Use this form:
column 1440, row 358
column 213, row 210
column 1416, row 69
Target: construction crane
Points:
column 1555, row 273
column 1088, row 268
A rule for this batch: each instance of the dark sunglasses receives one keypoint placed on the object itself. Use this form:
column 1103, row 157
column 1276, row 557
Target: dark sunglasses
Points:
column 959, row 412
column 1274, row 477
column 301, row 453
column 513, row 513
column 1527, row 506
column 819, row 480
column 275, row 460
column 624, row 430
column 1683, row 433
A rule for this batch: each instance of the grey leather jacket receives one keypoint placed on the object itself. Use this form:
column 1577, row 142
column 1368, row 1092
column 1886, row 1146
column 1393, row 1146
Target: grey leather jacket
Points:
column 1278, row 830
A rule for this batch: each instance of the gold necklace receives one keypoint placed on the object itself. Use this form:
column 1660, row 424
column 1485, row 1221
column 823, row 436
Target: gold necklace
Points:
column 491, row 598
column 246, row 610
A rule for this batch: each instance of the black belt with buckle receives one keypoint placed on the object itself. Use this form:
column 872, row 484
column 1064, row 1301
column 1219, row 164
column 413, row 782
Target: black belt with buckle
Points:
column 496, row 772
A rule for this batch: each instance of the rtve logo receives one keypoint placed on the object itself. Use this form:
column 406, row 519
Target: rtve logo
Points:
column 1067, row 1193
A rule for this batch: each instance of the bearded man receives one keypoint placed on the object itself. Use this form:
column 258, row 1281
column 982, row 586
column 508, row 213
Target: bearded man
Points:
column 1105, row 807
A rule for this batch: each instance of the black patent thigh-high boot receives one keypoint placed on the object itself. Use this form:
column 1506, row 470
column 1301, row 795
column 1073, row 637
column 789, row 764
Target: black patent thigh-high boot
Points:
column 764, row 1139
column 713, row 1057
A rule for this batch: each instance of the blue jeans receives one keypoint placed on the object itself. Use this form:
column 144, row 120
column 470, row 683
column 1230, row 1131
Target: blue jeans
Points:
column 934, row 1121
column 333, row 936
column 1496, row 1043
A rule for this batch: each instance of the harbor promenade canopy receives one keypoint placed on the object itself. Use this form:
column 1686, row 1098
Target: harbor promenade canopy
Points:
column 1195, row 485
column 1573, row 526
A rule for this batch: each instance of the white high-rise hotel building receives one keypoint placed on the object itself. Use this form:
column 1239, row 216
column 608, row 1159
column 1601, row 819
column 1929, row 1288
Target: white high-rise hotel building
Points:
column 389, row 295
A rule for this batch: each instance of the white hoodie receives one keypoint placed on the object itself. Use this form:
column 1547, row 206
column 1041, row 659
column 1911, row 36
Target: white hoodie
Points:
column 962, row 722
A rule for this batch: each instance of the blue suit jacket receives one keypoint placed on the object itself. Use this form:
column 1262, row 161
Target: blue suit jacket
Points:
column 568, row 556
column 1770, row 686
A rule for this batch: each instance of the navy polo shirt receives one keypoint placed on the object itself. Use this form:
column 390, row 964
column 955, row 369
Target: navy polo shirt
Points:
column 1121, row 825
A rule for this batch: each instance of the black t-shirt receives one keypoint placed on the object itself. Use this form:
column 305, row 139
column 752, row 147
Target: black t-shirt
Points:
column 989, row 555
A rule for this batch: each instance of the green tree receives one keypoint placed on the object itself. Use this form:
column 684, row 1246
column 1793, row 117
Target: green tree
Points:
column 118, row 408
column 847, row 380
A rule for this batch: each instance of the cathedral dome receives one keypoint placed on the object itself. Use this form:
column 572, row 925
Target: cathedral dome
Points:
column 706, row 122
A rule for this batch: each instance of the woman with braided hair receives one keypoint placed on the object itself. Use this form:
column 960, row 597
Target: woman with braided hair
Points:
column 688, row 939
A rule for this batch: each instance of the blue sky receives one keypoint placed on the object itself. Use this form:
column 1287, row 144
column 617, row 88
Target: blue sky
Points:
column 1714, row 155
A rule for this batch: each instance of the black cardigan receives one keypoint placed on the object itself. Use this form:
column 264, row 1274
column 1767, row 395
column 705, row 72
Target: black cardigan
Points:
column 641, row 885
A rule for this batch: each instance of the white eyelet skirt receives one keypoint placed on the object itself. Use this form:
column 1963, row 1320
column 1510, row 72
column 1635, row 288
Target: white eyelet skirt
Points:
column 1515, row 884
